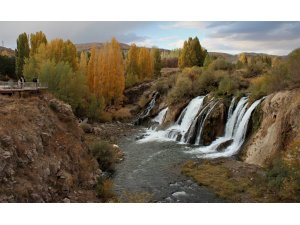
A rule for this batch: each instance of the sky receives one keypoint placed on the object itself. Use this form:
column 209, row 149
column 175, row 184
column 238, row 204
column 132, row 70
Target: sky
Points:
column 278, row 38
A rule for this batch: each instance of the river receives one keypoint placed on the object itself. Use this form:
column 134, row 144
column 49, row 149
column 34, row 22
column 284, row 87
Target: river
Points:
column 154, row 168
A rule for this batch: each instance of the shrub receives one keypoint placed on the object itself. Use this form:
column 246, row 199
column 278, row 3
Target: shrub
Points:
column 104, row 189
column 228, row 86
column 277, row 174
column 122, row 114
column 143, row 100
column 162, row 86
column 294, row 65
column 105, row 155
column 181, row 90
column 87, row 128
column 276, row 80
column 254, row 69
column 220, row 64
column 259, row 87
column 206, row 83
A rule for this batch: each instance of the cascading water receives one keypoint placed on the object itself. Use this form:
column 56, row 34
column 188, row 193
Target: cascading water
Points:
column 235, row 133
column 148, row 109
column 189, row 127
column 161, row 116
column 181, row 126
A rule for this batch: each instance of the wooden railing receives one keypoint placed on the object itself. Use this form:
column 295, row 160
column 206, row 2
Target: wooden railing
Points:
column 26, row 85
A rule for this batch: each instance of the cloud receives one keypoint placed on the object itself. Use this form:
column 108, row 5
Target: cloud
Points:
column 78, row 32
column 274, row 37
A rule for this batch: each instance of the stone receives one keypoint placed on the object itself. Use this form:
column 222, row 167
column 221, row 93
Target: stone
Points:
column 6, row 154
column 66, row 200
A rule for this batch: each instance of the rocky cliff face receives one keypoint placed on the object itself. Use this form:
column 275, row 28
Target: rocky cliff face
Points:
column 280, row 126
column 42, row 155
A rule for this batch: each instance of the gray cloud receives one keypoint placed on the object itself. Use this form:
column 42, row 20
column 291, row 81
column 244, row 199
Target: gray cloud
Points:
column 78, row 32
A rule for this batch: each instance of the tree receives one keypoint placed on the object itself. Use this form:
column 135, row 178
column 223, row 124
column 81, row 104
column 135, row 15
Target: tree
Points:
column 83, row 63
column 157, row 64
column 7, row 66
column 22, row 52
column 192, row 53
column 145, row 65
column 91, row 70
column 132, row 67
column 109, row 76
column 36, row 40
column 243, row 58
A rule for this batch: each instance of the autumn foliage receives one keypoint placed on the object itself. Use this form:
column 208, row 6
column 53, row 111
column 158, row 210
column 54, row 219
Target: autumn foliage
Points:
column 106, row 78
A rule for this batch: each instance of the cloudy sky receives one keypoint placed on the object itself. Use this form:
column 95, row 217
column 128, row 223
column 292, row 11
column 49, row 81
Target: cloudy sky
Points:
column 232, row 37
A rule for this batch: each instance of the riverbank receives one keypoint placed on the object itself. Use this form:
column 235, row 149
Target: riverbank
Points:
column 237, row 181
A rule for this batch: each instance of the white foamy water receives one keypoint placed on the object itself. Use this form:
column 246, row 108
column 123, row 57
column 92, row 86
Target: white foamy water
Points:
column 236, row 128
column 161, row 116
column 180, row 127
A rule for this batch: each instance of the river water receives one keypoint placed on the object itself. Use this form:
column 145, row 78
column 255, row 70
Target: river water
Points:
column 154, row 168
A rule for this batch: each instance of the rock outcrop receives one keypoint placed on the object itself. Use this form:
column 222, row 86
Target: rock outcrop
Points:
column 280, row 126
column 42, row 154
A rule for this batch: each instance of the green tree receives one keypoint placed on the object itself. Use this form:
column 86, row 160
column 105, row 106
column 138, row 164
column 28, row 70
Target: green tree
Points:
column 22, row 52
column 192, row 53
column 155, row 54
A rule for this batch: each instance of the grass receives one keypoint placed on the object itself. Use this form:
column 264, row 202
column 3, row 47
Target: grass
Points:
column 227, row 185
column 239, row 182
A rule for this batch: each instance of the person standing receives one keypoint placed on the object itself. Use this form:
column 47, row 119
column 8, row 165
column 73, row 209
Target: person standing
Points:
column 22, row 81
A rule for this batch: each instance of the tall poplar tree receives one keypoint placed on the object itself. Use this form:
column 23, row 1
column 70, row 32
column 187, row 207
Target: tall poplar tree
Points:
column 22, row 52
column 36, row 40
column 156, row 58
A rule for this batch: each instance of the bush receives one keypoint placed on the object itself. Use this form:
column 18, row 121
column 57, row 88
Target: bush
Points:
column 105, row 155
column 228, row 86
column 206, row 83
column 123, row 114
column 294, row 65
column 274, row 81
column 104, row 189
column 87, row 128
column 253, row 70
column 143, row 101
column 220, row 64
column 181, row 90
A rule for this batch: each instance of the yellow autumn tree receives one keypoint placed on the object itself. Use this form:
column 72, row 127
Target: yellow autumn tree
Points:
column 145, row 63
column 36, row 40
column 83, row 63
column 106, row 73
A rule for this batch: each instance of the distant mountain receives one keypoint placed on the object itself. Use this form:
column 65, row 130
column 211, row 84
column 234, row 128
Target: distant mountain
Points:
column 86, row 47
column 234, row 58
column 6, row 51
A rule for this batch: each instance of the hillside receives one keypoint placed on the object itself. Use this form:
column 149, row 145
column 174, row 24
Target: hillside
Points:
column 6, row 51
column 88, row 46
column 42, row 154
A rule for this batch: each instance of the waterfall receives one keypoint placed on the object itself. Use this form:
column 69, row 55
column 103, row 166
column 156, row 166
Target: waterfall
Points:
column 161, row 116
column 199, row 134
column 190, row 126
column 147, row 110
column 231, row 121
column 235, row 133
column 180, row 127
column 230, row 110
column 186, row 119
